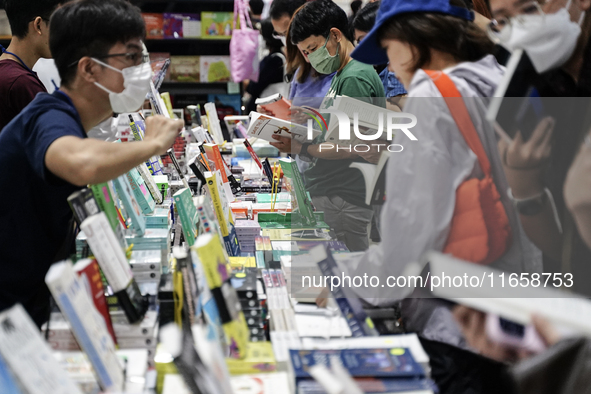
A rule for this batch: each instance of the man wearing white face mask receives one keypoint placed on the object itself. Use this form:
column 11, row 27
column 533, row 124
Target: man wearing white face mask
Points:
column 555, row 36
column 46, row 154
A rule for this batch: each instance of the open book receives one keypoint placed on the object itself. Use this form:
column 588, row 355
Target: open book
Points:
column 277, row 105
column 565, row 310
column 265, row 127
column 367, row 117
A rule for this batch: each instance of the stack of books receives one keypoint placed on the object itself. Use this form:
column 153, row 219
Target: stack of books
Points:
column 247, row 231
column 245, row 282
column 377, row 370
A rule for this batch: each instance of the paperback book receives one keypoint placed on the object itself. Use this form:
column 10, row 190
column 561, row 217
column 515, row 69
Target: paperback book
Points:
column 349, row 304
column 212, row 257
column 21, row 346
column 87, row 324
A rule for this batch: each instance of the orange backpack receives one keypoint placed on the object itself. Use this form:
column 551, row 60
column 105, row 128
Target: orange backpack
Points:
column 480, row 230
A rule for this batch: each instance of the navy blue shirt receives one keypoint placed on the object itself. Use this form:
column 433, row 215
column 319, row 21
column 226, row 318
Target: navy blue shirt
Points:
column 35, row 215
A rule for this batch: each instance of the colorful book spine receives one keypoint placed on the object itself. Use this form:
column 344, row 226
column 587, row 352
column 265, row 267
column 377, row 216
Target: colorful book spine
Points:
column 90, row 275
column 87, row 325
column 360, row 324
column 348, row 302
column 132, row 208
column 113, row 263
column 83, row 204
column 188, row 214
column 301, row 200
column 28, row 358
column 213, row 259
column 230, row 184
column 150, row 183
column 223, row 212
column 140, row 191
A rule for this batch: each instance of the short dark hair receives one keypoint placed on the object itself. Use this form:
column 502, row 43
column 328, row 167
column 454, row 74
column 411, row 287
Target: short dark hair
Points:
column 316, row 18
column 365, row 19
column 280, row 8
column 21, row 12
column 256, row 6
column 355, row 6
column 90, row 28
column 267, row 31
column 462, row 39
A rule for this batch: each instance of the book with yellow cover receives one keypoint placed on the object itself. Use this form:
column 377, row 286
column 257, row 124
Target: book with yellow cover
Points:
column 214, row 262
column 223, row 212
column 259, row 358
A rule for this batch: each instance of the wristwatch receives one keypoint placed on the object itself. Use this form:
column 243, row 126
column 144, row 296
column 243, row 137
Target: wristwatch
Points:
column 532, row 205
column 304, row 151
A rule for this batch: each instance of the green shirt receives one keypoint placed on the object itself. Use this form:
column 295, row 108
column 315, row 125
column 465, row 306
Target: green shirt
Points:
column 335, row 177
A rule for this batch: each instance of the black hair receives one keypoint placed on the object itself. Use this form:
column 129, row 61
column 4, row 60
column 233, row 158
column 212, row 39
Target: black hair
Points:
column 355, row 6
column 21, row 12
column 90, row 28
column 424, row 31
column 366, row 17
column 256, row 6
column 280, row 8
column 267, row 31
column 316, row 18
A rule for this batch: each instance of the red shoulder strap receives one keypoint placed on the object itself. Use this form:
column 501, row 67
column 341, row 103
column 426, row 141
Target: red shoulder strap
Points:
column 460, row 113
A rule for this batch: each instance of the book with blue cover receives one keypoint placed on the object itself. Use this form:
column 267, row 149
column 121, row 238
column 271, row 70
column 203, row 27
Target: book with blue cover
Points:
column 8, row 384
column 376, row 386
column 349, row 304
column 381, row 363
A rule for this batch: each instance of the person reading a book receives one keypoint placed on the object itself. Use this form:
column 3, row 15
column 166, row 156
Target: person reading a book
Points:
column 321, row 33
column 306, row 83
column 29, row 23
column 554, row 36
column 426, row 42
column 97, row 47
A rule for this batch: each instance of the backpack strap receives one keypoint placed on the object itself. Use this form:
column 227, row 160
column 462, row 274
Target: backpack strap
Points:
column 461, row 116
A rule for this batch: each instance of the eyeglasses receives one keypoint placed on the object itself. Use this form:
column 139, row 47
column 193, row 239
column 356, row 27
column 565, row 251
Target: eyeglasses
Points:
column 500, row 28
column 132, row 57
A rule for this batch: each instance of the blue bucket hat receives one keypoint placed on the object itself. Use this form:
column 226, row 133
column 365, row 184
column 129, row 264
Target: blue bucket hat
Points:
column 370, row 51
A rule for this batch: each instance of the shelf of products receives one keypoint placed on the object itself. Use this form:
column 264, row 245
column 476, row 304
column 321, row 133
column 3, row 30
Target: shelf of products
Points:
column 195, row 87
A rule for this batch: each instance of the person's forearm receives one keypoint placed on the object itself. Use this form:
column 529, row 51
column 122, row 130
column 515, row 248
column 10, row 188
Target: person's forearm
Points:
column 98, row 161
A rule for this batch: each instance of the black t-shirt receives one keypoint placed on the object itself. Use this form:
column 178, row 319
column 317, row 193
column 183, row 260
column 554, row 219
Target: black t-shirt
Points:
column 18, row 87
column 35, row 216
column 270, row 72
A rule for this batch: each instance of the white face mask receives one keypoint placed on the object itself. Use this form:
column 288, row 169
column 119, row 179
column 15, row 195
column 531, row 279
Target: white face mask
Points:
column 283, row 40
column 136, row 82
column 549, row 40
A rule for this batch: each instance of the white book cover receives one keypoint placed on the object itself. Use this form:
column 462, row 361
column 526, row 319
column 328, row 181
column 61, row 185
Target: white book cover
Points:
column 268, row 383
column 508, row 298
column 29, row 357
column 87, row 324
column 265, row 127
column 369, row 120
column 214, row 123
column 107, row 250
